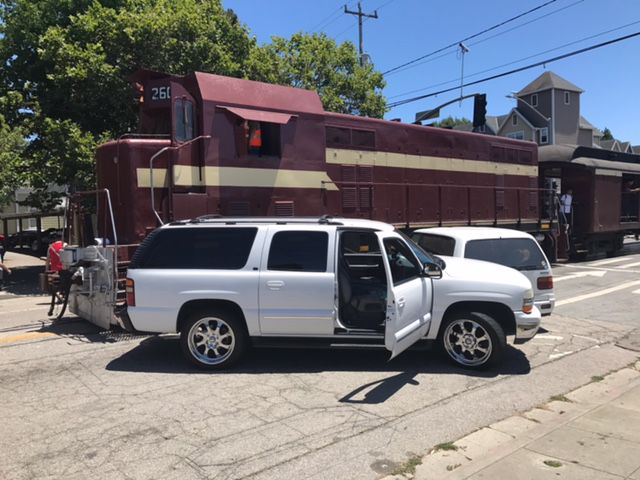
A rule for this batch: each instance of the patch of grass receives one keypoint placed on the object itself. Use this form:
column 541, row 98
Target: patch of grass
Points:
column 447, row 446
column 560, row 398
column 451, row 468
column 597, row 378
column 409, row 467
column 552, row 463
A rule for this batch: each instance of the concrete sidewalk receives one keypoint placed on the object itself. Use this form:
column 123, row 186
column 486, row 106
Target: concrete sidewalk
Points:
column 16, row 260
column 590, row 433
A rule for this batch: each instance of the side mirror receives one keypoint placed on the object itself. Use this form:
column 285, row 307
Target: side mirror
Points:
column 432, row 270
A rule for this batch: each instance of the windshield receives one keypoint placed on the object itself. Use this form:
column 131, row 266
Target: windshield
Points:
column 423, row 256
column 518, row 253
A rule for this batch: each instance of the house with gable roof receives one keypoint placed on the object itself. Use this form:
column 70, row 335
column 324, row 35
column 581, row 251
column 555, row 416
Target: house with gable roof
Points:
column 547, row 112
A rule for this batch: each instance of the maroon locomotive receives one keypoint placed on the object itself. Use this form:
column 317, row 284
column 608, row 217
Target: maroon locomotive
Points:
column 209, row 144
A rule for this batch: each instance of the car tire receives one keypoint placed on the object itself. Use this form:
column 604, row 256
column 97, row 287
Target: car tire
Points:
column 213, row 340
column 472, row 340
column 36, row 245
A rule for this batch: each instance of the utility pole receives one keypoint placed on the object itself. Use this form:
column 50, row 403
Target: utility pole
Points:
column 360, row 15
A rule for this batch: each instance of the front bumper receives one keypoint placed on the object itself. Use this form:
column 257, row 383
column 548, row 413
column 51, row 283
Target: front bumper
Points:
column 527, row 325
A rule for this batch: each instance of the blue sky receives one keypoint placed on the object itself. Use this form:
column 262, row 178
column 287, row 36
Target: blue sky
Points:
column 407, row 29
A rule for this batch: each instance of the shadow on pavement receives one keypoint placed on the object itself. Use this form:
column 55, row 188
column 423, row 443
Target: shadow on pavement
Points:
column 162, row 354
column 84, row 331
column 23, row 281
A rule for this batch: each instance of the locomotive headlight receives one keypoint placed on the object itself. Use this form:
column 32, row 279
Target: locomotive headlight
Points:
column 527, row 301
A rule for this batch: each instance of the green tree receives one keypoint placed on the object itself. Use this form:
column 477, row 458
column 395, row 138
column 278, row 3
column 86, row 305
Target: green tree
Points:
column 606, row 134
column 69, row 61
column 12, row 145
column 316, row 62
column 450, row 122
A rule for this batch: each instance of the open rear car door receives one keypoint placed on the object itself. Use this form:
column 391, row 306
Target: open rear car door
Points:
column 409, row 295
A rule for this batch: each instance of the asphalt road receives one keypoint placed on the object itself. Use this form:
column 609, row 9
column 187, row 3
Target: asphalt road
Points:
column 76, row 402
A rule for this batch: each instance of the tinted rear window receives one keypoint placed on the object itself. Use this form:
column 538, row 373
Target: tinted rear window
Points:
column 196, row 248
column 518, row 253
column 436, row 244
column 299, row 251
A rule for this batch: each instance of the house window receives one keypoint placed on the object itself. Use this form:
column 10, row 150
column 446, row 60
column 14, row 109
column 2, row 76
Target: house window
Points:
column 263, row 138
column 534, row 100
column 519, row 135
column 567, row 98
column 544, row 135
column 514, row 119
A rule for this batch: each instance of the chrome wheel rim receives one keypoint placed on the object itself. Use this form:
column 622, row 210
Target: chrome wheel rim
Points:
column 468, row 342
column 211, row 340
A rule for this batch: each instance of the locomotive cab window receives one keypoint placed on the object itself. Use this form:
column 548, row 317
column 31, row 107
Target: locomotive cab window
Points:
column 262, row 138
column 184, row 119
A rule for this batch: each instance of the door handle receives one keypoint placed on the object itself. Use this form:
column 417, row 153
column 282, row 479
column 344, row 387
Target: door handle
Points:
column 401, row 302
column 275, row 284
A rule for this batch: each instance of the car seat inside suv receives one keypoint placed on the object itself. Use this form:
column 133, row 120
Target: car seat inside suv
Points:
column 362, row 283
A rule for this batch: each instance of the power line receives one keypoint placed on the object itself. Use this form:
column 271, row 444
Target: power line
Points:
column 454, row 44
column 492, row 36
column 517, row 70
column 514, row 61
column 329, row 19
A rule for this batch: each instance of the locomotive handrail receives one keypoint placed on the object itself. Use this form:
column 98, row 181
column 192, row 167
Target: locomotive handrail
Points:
column 468, row 189
column 144, row 135
column 156, row 155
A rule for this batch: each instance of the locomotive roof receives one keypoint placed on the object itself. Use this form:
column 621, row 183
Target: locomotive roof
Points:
column 235, row 91
column 590, row 157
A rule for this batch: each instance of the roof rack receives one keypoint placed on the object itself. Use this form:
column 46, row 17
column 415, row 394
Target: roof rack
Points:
column 216, row 218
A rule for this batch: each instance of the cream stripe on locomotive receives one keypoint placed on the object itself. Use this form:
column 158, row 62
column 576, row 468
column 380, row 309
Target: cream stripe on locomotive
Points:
column 187, row 176
column 423, row 162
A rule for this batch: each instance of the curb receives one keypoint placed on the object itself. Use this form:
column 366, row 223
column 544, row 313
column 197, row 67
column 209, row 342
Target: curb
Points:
column 470, row 454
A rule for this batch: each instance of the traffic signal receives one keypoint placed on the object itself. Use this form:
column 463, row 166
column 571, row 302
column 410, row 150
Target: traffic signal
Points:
column 479, row 109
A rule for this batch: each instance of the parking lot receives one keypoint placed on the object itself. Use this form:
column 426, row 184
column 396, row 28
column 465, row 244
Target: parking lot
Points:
column 78, row 402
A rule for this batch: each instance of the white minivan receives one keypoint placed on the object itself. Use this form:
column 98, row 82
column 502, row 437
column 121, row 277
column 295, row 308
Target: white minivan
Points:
column 505, row 246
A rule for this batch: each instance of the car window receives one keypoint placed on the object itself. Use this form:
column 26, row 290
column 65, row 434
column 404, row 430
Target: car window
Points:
column 299, row 251
column 518, row 253
column 196, row 248
column 404, row 266
column 436, row 244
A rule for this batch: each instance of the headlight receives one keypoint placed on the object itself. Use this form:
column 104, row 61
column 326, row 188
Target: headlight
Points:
column 527, row 302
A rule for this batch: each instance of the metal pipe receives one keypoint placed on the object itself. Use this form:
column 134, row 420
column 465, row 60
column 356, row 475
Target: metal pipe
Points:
column 156, row 155
column 153, row 201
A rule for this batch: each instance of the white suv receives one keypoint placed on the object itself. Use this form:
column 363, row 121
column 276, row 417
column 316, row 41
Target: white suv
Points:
column 228, row 283
column 505, row 246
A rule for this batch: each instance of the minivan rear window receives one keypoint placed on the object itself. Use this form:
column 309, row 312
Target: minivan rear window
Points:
column 518, row 253
column 436, row 244
column 196, row 248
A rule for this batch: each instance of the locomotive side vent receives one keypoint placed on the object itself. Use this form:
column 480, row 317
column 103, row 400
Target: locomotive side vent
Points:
column 348, row 173
column 365, row 194
column 238, row 209
column 284, row 208
column 349, row 198
column 363, row 138
column 365, row 174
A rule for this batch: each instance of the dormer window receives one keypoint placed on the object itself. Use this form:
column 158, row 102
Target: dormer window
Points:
column 514, row 119
column 567, row 98
column 534, row 100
